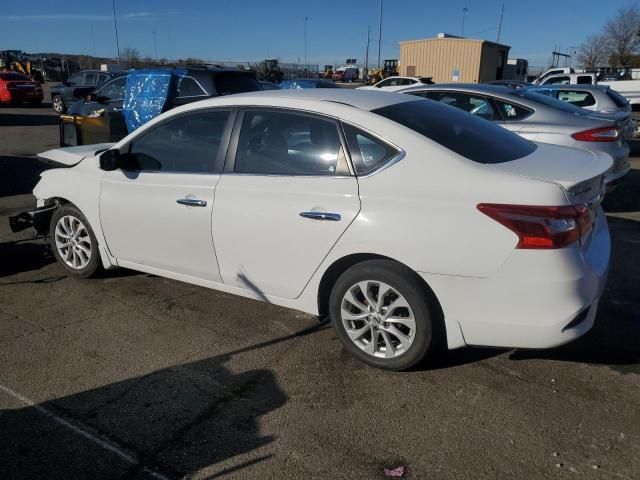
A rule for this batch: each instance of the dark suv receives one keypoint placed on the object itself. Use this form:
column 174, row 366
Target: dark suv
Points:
column 77, row 86
column 101, row 118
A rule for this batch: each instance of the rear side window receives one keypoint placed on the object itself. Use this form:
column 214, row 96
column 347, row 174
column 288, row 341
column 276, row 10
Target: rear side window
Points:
column 474, row 104
column 467, row 135
column 558, row 80
column 512, row 111
column 190, row 87
column 618, row 99
column 91, row 79
column 367, row 152
column 585, row 80
column 577, row 98
column 228, row 83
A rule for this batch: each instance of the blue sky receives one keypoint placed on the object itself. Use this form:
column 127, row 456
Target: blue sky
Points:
column 247, row 30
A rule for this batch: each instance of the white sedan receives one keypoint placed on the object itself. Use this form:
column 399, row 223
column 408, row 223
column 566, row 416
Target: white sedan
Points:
column 409, row 223
column 392, row 84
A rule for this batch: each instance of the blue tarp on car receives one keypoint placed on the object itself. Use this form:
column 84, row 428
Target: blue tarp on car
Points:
column 146, row 95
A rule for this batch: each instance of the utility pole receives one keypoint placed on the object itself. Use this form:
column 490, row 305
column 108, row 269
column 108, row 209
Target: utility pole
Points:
column 379, row 33
column 115, row 26
column 500, row 24
column 464, row 14
column 366, row 57
column 306, row 64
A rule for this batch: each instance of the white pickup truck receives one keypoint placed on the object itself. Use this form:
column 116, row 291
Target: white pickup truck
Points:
column 630, row 89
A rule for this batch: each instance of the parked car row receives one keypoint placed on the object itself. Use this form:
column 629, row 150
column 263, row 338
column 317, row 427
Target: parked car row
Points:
column 433, row 217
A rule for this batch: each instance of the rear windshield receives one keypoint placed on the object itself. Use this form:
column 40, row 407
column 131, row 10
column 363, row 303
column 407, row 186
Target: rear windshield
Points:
column 548, row 101
column 228, row 83
column 472, row 137
column 13, row 76
column 618, row 99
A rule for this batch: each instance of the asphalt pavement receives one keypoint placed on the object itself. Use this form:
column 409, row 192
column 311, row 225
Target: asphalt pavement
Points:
column 133, row 376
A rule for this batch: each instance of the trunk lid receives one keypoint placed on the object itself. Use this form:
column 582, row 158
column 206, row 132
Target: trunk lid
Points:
column 579, row 172
column 73, row 155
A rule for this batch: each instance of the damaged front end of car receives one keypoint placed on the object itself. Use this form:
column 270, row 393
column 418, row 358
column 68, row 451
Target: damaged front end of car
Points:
column 38, row 218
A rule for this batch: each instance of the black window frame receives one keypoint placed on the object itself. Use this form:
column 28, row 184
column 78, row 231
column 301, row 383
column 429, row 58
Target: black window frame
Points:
column 219, row 161
column 398, row 155
column 344, row 167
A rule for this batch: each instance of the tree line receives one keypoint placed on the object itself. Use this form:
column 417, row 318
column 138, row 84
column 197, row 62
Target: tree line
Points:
column 617, row 44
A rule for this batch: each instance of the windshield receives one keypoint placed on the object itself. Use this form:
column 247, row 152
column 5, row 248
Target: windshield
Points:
column 472, row 137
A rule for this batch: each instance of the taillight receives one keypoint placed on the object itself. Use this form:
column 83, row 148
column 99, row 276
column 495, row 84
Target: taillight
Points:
column 604, row 134
column 3, row 86
column 541, row 227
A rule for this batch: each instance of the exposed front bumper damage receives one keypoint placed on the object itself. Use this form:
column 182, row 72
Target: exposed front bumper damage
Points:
column 38, row 218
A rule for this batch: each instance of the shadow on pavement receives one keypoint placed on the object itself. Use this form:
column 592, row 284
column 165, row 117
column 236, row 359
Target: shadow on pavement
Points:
column 23, row 256
column 174, row 421
column 18, row 175
column 626, row 198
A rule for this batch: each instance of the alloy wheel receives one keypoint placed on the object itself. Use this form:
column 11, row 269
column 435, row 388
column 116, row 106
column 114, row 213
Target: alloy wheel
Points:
column 378, row 319
column 73, row 242
column 58, row 106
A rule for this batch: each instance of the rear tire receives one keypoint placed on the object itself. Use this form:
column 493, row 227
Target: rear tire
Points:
column 58, row 104
column 73, row 242
column 382, row 314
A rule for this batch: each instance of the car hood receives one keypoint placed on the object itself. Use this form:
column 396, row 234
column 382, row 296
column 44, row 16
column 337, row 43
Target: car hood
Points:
column 73, row 155
column 576, row 170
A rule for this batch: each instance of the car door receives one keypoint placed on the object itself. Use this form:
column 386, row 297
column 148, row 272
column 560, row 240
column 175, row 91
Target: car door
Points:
column 156, row 213
column 286, row 197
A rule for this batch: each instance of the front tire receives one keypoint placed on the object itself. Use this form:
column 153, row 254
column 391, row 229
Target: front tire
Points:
column 58, row 104
column 381, row 313
column 73, row 242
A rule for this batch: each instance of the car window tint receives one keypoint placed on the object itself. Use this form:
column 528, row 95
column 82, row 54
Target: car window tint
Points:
column 474, row 104
column 91, row 79
column 287, row 144
column 577, row 98
column 189, row 87
column 385, row 83
column 114, row 90
column 228, row 83
column 187, row 144
column 584, row 80
column 512, row 111
column 367, row 152
column 466, row 135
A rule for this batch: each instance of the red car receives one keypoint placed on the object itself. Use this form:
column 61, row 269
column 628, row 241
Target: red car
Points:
column 18, row 88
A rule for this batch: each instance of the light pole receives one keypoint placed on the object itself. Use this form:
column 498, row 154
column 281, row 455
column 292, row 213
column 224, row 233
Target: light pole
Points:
column 379, row 33
column 306, row 65
column 115, row 26
column 464, row 14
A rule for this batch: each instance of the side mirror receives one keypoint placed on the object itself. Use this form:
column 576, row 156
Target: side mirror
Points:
column 110, row 160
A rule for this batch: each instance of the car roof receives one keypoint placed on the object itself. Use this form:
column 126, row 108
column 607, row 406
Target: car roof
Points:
column 463, row 87
column 570, row 86
column 362, row 99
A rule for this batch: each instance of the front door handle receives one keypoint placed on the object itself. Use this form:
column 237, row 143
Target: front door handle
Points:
column 334, row 217
column 192, row 202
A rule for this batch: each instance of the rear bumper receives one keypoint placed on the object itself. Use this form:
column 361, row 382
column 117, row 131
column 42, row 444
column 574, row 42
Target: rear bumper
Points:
column 538, row 298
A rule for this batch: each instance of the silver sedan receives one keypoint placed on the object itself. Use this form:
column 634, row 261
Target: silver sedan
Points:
column 540, row 118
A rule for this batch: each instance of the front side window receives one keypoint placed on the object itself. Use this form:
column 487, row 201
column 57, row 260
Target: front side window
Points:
column 471, row 137
column 281, row 143
column 113, row 90
column 76, row 79
column 367, row 152
column 577, row 98
column 190, row 143
column 385, row 83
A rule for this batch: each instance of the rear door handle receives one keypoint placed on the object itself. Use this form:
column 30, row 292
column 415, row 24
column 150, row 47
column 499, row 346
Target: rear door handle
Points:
column 334, row 217
column 192, row 202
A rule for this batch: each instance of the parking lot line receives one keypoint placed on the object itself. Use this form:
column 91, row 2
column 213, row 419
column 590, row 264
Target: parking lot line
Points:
column 81, row 430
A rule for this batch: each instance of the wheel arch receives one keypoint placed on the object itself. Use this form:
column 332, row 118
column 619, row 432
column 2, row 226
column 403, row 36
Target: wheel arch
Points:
column 341, row 265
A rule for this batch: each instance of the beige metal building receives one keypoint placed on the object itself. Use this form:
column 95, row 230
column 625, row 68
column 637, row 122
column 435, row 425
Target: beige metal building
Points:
column 448, row 58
